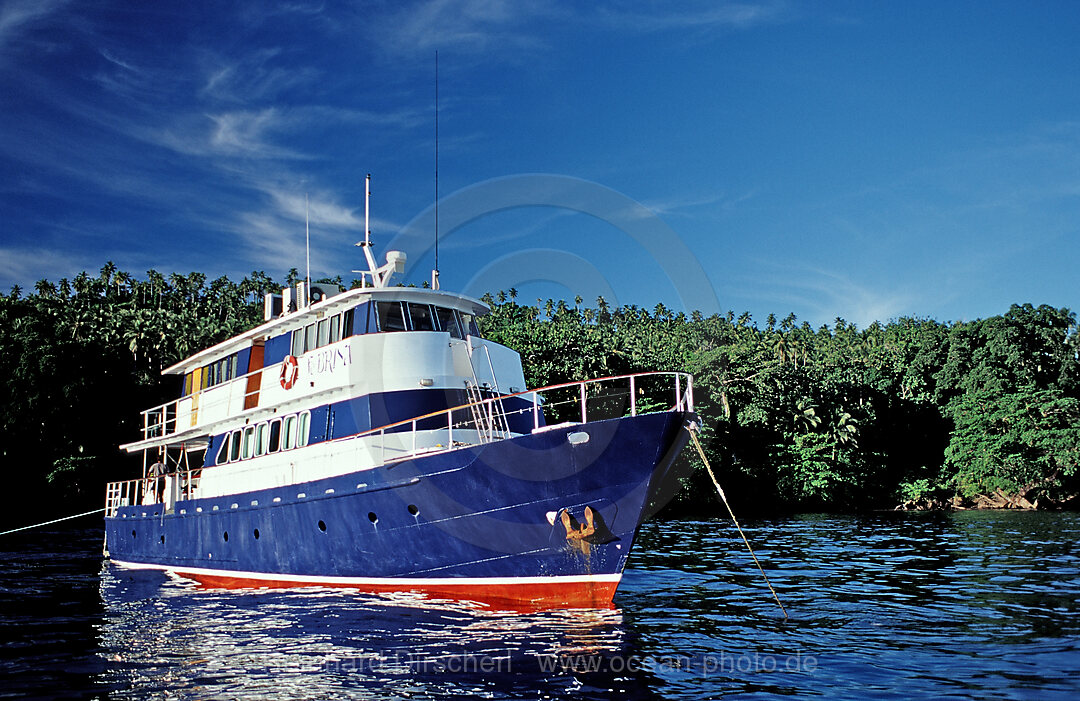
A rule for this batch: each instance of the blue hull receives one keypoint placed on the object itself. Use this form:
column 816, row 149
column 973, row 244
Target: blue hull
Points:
column 479, row 522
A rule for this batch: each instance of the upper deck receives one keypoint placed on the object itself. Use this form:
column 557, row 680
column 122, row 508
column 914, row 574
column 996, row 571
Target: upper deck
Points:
column 364, row 341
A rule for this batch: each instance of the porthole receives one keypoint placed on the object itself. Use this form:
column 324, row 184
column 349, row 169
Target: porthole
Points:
column 413, row 509
column 372, row 517
column 225, row 535
column 133, row 534
column 322, row 526
column 256, row 534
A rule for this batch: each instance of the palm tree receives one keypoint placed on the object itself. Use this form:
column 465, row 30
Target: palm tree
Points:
column 806, row 417
column 844, row 430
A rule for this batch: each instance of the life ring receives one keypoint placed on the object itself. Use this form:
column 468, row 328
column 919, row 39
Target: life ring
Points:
column 289, row 372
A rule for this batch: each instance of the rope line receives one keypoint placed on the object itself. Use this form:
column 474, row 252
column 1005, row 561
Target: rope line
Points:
column 723, row 497
column 58, row 520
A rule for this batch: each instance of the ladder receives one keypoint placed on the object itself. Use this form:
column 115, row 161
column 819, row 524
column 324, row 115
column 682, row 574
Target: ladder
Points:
column 488, row 416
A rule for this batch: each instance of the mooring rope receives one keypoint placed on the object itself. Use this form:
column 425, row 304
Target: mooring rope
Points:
column 723, row 497
column 58, row 520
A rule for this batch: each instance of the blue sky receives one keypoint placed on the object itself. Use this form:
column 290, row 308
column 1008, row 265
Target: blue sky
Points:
column 851, row 159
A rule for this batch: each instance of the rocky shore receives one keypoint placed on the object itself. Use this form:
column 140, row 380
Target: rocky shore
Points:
column 998, row 499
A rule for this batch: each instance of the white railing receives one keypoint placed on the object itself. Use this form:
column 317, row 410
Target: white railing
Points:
column 467, row 421
column 449, row 429
column 180, row 414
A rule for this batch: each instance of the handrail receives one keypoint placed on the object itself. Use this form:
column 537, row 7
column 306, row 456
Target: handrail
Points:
column 169, row 411
column 682, row 400
column 135, row 491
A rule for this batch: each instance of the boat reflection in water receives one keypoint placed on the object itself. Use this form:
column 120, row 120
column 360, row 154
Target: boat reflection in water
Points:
column 169, row 635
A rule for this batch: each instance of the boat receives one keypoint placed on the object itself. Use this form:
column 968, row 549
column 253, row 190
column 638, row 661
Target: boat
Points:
column 373, row 439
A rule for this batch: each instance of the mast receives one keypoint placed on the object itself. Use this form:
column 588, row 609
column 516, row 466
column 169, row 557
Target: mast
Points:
column 395, row 260
column 307, row 244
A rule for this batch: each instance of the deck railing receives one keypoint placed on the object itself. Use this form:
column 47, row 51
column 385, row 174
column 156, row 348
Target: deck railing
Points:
column 176, row 415
column 588, row 400
column 475, row 423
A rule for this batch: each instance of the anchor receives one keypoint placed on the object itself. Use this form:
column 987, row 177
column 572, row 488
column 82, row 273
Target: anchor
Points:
column 578, row 532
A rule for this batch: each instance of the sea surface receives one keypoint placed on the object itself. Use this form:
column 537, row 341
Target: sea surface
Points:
column 908, row 605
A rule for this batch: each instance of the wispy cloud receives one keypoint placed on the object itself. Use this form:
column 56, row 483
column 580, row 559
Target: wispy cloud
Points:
column 704, row 16
column 16, row 16
column 465, row 25
column 677, row 205
column 819, row 295
column 245, row 133
column 32, row 264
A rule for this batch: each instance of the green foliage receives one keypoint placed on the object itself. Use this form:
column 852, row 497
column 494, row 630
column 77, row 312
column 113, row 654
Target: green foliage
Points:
column 794, row 417
column 81, row 358
column 837, row 417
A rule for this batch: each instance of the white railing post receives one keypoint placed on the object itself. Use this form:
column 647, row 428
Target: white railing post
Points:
column 583, row 419
column 678, row 394
column 450, row 429
column 414, row 436
column 633, row 395
column 536, row 411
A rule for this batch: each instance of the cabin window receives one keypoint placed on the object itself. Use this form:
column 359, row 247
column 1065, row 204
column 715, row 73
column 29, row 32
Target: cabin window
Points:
column 448, row 321
column 309, row 338
column 187, row 384
column 297, row 342
column 290, row 432
column 347, row 323
column 422, row 318
column 391, row 317
column 233, row 362
column 234, row 446
column 302, row 429
column 223, row 451
column 335, row 328
column 275, row 436
column 324, row 333
column 248, row 444
column 261, row 438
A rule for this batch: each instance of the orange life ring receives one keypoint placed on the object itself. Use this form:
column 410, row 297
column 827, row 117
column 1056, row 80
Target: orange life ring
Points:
column 289, row 372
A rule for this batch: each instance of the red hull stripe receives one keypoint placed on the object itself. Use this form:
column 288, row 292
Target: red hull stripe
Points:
column 589, row 591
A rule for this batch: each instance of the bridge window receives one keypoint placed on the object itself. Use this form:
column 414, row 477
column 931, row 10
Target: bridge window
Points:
column 448, row 321
column 468, row 322
column 422, row 318
column 391, row 317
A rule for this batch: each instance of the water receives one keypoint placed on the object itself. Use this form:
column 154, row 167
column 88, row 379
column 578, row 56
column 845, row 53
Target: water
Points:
column 966, row 605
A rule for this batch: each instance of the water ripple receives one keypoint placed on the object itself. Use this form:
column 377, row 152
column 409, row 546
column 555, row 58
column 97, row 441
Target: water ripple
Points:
column 885, row 606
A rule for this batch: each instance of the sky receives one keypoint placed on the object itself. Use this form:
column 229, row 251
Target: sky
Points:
column 866, row 161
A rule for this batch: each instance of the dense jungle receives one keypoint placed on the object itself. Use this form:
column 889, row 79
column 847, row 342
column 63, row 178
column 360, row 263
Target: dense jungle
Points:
column 909, row 413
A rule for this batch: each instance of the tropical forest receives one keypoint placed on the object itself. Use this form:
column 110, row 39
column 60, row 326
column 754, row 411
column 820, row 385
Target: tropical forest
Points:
column 911, row 413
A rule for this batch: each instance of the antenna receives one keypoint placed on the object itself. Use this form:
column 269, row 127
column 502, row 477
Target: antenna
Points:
column 435, row 272
column 307, row 241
